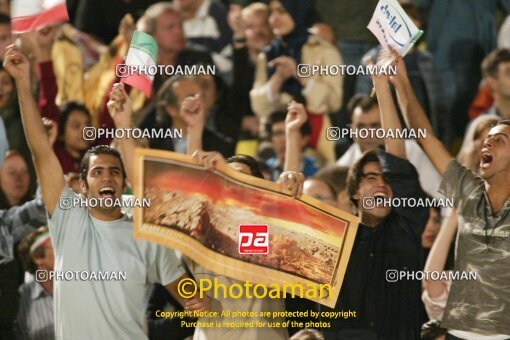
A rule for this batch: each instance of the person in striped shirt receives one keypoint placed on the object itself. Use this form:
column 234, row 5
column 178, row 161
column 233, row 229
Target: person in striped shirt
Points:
column 35, row 316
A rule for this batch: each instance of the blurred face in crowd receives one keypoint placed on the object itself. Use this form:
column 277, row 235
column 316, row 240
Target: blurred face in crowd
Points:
column 495, row 154
column 104, row 179
column 46, row 262
column 182, row 89
column 258, row 32
column 280, row 20
column 169, row 34
column 373, row 184
column 500, row 83
column 73, row 131
column 5, row 38
column 14, row 178
column 366, row 120
column 6, row 88
column 208, row 91
column 320, row 190
column 431, row 229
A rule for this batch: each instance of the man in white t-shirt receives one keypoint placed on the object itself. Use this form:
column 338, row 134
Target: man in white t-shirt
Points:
column 102, row 274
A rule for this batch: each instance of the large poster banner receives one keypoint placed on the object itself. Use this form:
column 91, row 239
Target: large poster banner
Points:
column 241, row 226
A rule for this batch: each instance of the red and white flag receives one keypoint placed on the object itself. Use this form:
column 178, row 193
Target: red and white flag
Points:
column 29, row 15
column 140, row 67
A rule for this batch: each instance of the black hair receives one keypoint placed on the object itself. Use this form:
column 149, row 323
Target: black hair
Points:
column 356, row 172
column 491, row 62
column 99, row 150
column 280, row 116
column 4, row 19
column 363, row 101
column 66, row 110
column 249, row 161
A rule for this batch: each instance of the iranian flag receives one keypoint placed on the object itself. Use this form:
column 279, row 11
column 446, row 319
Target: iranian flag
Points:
column 30, row 15
column 141, row 62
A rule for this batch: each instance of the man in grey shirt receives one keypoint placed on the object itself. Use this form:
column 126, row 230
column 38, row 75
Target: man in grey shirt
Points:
column 93, row 239
column 476, row 309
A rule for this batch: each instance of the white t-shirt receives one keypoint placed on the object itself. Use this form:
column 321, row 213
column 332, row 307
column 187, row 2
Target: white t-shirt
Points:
column 95, row 309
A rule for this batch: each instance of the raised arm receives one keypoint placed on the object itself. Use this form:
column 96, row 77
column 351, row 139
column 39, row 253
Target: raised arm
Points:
column 119, row 107
column 47, row 166
column 439, row 253
column 389, row 117
column 416, row 119
column 291, row 178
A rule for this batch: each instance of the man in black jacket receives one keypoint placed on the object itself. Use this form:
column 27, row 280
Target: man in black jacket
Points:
column 387, row 242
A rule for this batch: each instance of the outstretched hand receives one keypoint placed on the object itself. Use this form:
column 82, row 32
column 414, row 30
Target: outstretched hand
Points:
column 119, row 106
column 17, row 64
column 296, row 117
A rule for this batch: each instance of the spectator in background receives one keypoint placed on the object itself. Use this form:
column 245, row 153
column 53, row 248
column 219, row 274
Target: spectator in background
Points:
column 496, row 72
column 336, row 178
column 277, row 81
column 35, row 317
column 205, row 25
column 365, row 115
column 432, row 92
column 320, row 190
column 71, row 145
column 164, row 22
column 169, row 101
column 275, row 129
column 14, row 181
column 252, row 33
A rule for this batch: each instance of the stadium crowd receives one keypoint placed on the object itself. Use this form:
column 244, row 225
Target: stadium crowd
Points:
column 258, row 115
